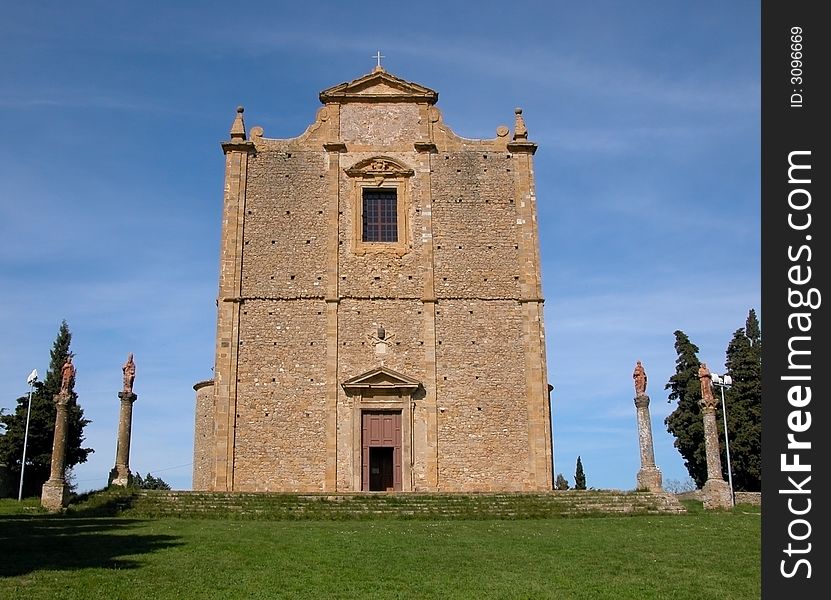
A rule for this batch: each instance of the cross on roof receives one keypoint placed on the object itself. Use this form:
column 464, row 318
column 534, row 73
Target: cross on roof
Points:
column 378, row 56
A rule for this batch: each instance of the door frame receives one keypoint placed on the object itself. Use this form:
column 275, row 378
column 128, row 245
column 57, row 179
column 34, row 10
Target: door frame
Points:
column 381, row 390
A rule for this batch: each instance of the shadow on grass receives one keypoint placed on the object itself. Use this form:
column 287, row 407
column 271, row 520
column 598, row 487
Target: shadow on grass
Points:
column 66, row 543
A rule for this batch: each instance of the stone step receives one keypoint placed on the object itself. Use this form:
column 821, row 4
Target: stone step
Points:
column 264, row 505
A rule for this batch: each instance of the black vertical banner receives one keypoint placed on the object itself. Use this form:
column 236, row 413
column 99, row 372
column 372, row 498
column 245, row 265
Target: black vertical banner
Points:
column 795, row 230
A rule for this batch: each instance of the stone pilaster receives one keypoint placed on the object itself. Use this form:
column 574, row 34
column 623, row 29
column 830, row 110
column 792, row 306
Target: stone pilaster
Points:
column 426, row 463
column 332, row 177
column 55, row 490
column 540, row 467
column 237, row 152
column 716, row 490
column 649, row 475
column 120, row 474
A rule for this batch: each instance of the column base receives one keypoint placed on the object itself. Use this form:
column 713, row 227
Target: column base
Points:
column 717, row 494
column 54, row 495
column 650, row 479
column 120, row 477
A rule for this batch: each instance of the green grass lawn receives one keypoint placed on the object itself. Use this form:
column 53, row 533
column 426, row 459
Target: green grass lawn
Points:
column 693, row 556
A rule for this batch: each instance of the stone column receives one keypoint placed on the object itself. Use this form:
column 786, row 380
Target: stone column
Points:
column 120, row 474
column 716, row 490
column 649, row 475
column 55, row 491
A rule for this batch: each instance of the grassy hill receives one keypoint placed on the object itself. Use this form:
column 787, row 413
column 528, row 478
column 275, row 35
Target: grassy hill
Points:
column 691, row 555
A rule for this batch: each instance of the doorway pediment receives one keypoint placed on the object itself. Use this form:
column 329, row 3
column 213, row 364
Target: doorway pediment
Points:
column 380, row 378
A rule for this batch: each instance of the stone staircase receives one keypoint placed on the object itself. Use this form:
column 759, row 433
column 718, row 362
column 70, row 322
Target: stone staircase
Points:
column 352, row 506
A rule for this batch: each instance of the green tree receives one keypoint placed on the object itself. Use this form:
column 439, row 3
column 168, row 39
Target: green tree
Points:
column 744, row 406
column 685, row 422
column 579, row 476
column 561, row 483
column 149, row 482
column 42, row 425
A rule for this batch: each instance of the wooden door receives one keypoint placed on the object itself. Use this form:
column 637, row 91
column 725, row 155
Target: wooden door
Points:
column 381, row 469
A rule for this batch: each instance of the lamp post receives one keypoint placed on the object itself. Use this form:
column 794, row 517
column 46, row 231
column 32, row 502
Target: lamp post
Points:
column 725, row 381
column 33, row 377
column 551, row 438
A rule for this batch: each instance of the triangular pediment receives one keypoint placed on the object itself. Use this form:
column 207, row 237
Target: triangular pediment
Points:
column 380, row 378
column 379, row 86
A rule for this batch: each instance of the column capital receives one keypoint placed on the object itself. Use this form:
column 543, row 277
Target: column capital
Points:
column 707, row 406
column 642, row 401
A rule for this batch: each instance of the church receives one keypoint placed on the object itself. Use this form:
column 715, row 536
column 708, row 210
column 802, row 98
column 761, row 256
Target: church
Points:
column 380, row 310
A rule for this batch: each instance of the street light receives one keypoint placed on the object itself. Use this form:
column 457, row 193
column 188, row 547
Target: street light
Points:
column 33, row 377
column 551, row 436
column 725, row 381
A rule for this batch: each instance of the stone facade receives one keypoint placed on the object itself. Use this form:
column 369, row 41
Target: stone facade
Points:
column 327, row 338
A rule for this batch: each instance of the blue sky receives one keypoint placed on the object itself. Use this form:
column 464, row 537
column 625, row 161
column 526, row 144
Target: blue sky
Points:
column 647, row 116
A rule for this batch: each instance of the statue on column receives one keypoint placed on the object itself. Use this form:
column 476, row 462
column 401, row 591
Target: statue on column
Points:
column 717, row 492
column 649, row 475
column 639, row 375
column 120, row 473
column 55, row 490
column 129, row 370
column 706, row 384
column 67, row 375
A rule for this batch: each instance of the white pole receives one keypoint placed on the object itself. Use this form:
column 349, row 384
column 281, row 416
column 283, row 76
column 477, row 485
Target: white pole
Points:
column 727, row 448
column 33, row 377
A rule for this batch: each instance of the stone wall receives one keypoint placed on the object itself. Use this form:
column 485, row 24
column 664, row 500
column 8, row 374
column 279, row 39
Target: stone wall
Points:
column 203, row 436
column 284, row 251
column 279, row 443
column 483, row 411
column 475, row 225
column 754, row 498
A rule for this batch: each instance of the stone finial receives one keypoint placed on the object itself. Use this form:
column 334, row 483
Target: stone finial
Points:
column 639, row 375
column 520, row 130
column 238, row 127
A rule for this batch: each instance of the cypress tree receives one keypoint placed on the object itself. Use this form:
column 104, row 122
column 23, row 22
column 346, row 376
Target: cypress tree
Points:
column 42, row 425
column 579, row 476
column 685, row 422
column 561, row 483
column 744, row 406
